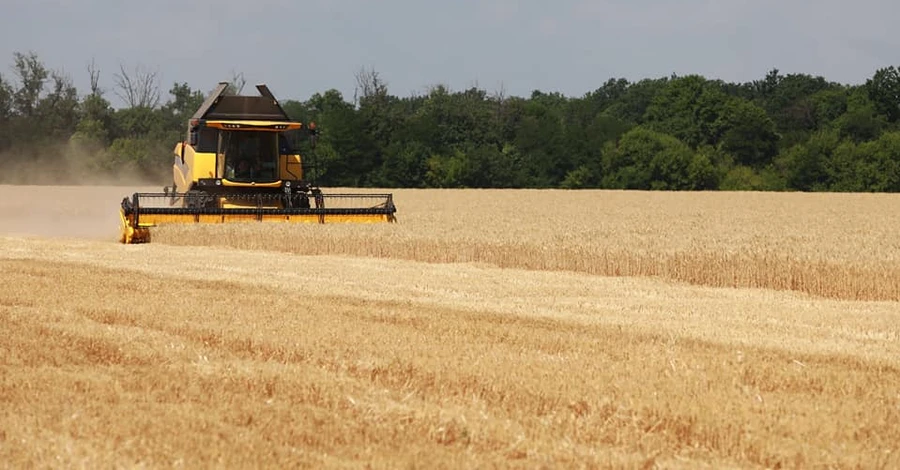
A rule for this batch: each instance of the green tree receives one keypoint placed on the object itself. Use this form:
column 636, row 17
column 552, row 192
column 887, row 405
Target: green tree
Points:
column 632, row 105
column 860, row 122
column 405, row 165
column 94, row 127
column 586, row 130
column 804, row 166
column 612, row 91
column 139, row 122
column 788, row 99
column 96, row 120
column 184, row 102
column 58, row 111
column 829, row 104
column 31, row 73
column 6, row 113
column 298, row 110
column 867, row 166
column 687, row 108
column 747, row 133
column 24, row 126
column 540, row 141
column 884, row 91
column 885, row 162
column 645, row 159
column 344, row 152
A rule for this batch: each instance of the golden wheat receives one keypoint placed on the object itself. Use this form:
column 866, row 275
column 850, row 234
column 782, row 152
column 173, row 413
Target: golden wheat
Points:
column 841, row 246
column 202, row 356
column 178, row 356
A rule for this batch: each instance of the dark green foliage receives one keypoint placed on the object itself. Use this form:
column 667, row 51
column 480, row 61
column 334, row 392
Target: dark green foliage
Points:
column 182, row 106
column 781, row 132
column 645, row 159
column 345, row 155
column 405, row 165
column 804, row 165
column 884, row 91
column 635, row 100
column 868, row 166
column 860, row 122
column 687, row 108
column 744, row 131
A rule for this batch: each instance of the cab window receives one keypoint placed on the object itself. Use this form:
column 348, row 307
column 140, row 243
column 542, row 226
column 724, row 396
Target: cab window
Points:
column 249, row 156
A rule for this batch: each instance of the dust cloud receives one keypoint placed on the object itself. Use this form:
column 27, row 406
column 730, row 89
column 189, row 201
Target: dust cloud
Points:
column 66, row 191
column 90, row 212
column 63, row 211
column 75, row 165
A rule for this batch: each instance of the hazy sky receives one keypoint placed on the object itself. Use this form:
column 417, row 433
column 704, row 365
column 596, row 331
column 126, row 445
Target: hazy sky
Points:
column 570, row 46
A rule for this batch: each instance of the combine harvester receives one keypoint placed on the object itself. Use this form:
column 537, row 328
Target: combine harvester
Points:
column 241, row 164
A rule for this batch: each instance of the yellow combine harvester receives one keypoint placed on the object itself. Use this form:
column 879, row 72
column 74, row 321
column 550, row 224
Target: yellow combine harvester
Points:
column 241, row 164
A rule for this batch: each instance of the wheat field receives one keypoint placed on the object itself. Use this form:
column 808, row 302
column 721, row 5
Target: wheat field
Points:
column 842, row 246
column 523, row 329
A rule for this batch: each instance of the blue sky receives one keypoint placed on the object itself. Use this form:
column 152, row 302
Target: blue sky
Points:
column 570, row 46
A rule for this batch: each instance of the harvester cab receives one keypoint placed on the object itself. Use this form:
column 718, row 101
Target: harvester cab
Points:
column 241, row 162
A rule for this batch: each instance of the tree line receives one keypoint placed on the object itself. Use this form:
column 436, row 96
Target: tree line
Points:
column 781, row 132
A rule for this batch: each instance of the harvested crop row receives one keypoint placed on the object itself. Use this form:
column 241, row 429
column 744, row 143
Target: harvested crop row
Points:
column 842, row 246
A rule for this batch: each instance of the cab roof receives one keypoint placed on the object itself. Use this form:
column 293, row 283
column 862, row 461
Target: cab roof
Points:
column 220, row 106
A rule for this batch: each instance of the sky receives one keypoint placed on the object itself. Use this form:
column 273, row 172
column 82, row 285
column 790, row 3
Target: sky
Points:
column 300, row 47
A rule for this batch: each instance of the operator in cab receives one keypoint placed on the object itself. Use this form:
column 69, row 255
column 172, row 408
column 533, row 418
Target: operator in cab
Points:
column 246, row 170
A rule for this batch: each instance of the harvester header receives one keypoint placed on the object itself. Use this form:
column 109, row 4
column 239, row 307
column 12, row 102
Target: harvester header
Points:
column 241, row 163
